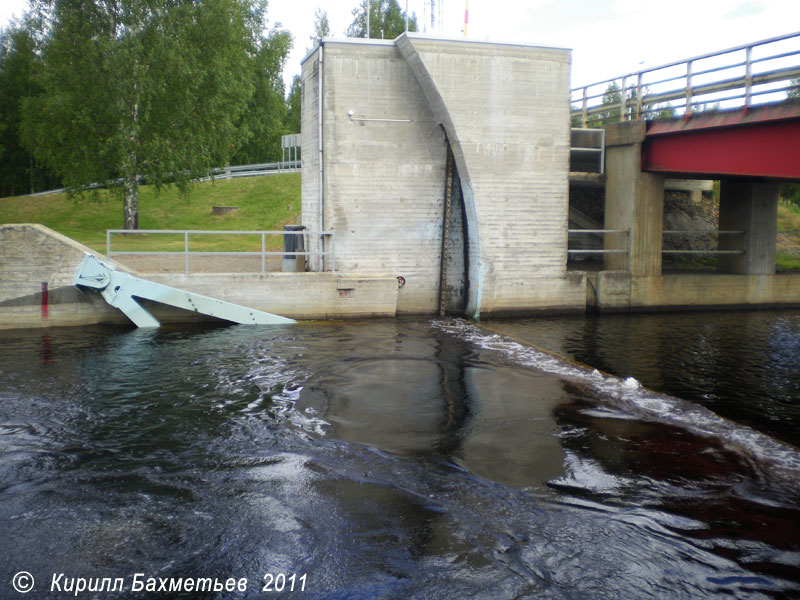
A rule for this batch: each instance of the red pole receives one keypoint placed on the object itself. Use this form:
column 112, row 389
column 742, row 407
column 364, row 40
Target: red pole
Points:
column 45, row 300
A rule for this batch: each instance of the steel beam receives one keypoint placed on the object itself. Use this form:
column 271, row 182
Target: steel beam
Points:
column 759, row 149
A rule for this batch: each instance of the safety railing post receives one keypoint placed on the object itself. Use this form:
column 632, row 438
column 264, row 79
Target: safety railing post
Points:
column 584, row 114
column 748, row 77
column 623, row 108
column 186, row 252
column 603, row 151
column 688, row 108
column 628, row 246
column 108, row 243
column 332, row 251
column 263, row 251
column 639, row 96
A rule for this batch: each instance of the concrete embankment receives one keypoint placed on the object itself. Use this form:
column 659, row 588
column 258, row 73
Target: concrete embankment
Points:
column 38, row 266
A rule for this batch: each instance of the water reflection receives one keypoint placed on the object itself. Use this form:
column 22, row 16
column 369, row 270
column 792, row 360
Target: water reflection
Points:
column 432, row 398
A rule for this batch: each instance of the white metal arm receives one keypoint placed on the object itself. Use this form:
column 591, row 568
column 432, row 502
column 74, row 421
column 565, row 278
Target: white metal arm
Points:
column 120, row 290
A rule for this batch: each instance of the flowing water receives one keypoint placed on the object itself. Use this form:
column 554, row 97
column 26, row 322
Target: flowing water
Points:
column 406, row 459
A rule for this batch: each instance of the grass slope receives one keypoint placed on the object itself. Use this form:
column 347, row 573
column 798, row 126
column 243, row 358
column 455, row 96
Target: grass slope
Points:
column 265, row 203
column 788, row 258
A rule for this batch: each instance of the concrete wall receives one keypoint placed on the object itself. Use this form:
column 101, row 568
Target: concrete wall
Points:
column 617, row 291
column 383, row 180
column 698, row 290
column 504, row 109
column 296, row 295
column 33, row 254
column 506, row 113
column 30, row 255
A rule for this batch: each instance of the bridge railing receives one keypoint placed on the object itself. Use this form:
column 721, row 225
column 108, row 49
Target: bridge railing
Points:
column 697, row 234
column 740, row 77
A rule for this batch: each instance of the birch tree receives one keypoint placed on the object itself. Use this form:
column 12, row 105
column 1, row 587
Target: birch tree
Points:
column 142, row 90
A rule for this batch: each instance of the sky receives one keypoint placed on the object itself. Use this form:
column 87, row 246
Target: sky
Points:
column 608, row 38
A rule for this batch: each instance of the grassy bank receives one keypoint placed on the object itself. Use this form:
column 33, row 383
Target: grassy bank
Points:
column 788, row 258
column 264, row 203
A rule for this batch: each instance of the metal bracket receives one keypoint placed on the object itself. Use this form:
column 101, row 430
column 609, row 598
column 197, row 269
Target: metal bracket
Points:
column 120, row 290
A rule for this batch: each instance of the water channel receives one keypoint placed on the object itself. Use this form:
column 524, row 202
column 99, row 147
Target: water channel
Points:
column 409, row 459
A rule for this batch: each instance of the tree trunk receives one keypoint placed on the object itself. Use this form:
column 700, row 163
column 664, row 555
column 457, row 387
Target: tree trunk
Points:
column 130, row 202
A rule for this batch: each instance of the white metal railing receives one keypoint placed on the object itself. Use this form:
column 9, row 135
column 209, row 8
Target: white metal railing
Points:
column 263, row 253
column 756, row 73
column 625, row 250
column 255, row 170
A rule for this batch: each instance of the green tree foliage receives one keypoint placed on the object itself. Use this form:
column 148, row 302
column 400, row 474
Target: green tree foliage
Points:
column 611, row 100
column 790, row 192
column 794, row 91
column 386, row 20
column 293, row 115
column 265, row 117
column 152, row 89
column 612, row 109
column 20, row 172
column 321, row 27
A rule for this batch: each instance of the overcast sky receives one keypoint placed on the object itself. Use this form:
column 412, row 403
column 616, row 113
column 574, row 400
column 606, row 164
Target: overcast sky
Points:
column 608, row 37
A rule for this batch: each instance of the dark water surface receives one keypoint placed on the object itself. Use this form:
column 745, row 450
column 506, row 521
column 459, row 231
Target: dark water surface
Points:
column 742, row 365
column 392, row 459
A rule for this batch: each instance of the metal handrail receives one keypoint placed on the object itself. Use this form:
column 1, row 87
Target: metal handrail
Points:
column 699, row 232
column 219, row 173
column 189, row 232
column 598, row 250
column 704, row 231
column 702, row 252
column 637, row 102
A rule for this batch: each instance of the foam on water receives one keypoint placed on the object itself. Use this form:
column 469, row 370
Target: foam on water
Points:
column 766, row 454
column 275, row 380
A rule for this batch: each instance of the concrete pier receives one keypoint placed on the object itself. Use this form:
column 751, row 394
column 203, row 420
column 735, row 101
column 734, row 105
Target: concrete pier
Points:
column 633, row 280
column 634, row 203
column 750, row 207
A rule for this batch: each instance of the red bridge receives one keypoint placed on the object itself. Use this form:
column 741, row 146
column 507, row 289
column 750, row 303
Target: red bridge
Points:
column 732, row 115
column 735, row 112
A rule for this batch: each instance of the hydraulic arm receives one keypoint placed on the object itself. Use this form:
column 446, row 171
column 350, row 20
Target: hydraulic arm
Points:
column 121, row 290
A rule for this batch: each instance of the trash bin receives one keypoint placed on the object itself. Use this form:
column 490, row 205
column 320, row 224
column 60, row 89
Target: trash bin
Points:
column 293, row 243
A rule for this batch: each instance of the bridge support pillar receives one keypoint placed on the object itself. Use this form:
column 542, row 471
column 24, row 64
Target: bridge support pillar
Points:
column 634, row 203
column 751, row 207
